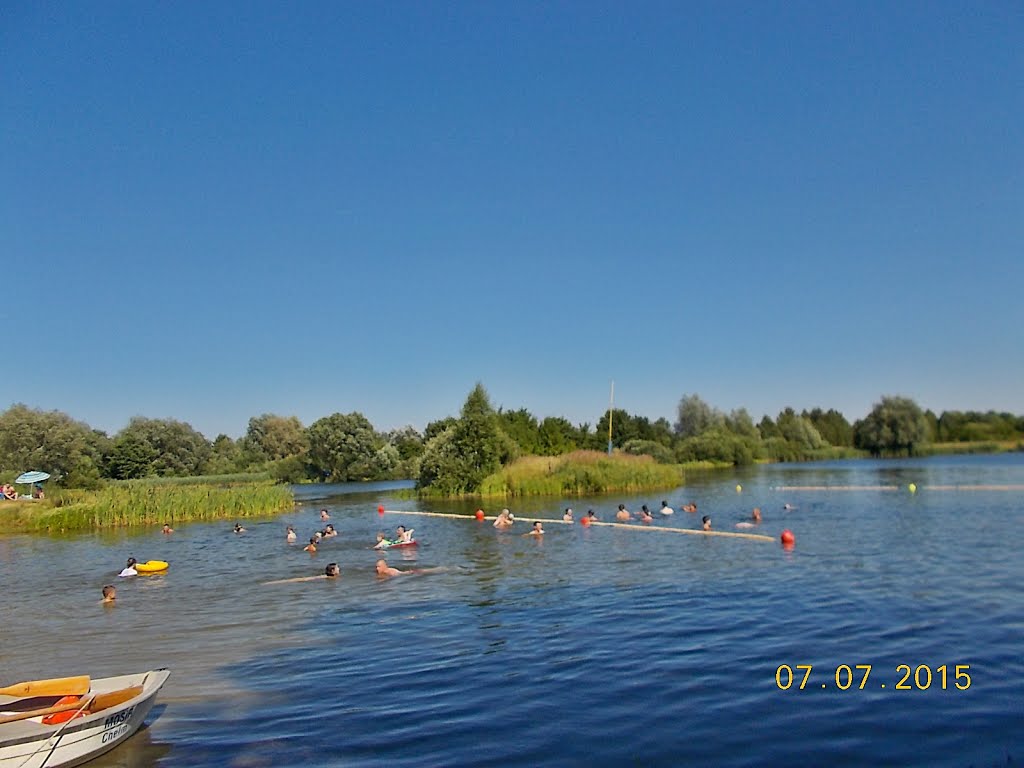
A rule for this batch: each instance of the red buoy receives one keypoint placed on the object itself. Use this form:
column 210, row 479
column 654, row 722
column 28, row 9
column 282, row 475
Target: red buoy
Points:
column 787, row 538
column 380, row 509
column 584, row 520
column 479, row 514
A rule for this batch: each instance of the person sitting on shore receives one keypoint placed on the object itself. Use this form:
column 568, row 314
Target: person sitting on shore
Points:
column 129, row 569
column 706, row 522
column 666, row 509
column 645, row 515
column 311, row 547
column 291, row 536
column 9, row 492
column 537, row 530
column 109, row 593
column 403, row 535
column 37, row 492
column 623, row 514
column 505, row 519
column 567, row 517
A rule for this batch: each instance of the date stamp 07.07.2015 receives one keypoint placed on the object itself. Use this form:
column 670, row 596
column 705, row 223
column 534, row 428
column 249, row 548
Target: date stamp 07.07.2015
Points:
column 844, row 677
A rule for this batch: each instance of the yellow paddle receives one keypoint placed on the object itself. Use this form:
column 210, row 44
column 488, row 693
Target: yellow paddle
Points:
column 58, row 686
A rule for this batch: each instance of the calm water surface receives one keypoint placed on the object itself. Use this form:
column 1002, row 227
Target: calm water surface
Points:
column 592, row 647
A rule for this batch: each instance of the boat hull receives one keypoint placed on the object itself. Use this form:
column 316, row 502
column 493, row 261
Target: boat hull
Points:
column 30, row 744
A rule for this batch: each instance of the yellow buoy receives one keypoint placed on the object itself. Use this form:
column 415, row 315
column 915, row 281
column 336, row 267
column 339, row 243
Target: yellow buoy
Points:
column 912, row 488
column 739, row 489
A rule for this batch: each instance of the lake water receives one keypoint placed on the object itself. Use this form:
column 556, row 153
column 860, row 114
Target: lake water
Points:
column 593, row 646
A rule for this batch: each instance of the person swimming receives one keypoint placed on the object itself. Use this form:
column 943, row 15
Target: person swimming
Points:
column 537, row 530
column 291, row 536
column 505, row 519
column 755, row 519
column 331, row 571
column 383, row 542
column 623, row 514
column 666, row 509
column 384, row 571
column 591, row 516
column 324, row 515
column 129, row 569
column 311, row 547
column 238, row 528
column 706, row 522
column 403, row 535
column 645, row 515
column 691, row 507
column 167, row 529
column 328, row 532
column 109, row 593
column 567, row 517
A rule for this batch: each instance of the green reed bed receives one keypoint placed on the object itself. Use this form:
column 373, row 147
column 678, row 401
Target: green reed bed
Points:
column 147, row 503
column 581, row 473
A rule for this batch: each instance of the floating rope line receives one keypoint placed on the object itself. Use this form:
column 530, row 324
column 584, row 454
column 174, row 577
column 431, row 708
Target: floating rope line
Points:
column 688, row 531
column 897, row 488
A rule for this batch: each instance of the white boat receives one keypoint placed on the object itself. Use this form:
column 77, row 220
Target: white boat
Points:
column 114, row 708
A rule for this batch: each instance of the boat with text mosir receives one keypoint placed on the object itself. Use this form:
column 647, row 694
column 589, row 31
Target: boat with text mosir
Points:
column 69, row 721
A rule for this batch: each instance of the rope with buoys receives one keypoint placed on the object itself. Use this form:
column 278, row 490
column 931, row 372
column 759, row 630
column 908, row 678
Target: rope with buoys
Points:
column 688, row 531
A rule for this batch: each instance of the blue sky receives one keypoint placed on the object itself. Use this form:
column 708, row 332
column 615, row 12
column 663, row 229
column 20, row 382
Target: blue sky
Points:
column 213, row 211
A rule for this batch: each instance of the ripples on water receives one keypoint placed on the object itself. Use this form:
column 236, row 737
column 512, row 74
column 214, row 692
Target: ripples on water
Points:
column 596, row 647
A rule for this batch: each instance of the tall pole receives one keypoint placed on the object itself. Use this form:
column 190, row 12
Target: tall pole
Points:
column 611, row 410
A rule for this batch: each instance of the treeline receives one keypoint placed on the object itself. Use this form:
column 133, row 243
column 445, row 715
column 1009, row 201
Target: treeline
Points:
column 455, row 454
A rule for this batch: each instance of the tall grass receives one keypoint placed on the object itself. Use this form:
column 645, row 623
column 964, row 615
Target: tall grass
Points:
column 581, row 473
column 146, row 503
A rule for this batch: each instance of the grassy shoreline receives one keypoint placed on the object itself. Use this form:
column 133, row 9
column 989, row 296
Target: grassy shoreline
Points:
column 144, row 503
column 581, row 473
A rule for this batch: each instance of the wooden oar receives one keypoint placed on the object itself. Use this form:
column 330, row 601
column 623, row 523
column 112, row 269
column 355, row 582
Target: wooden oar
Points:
column 91, row 704
column 80, row 704
column 58, row 686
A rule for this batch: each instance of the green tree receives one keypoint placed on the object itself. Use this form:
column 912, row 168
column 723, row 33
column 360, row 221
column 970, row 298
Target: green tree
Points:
column 768, row 428
column 50, row 441
column 831, row 425
column 457, row 460
column 522, row 426
column 557, row 436
column 798, row 430
column 169, row 448
column 895, row 425
column 694, row 416
column 273, row 437
column 225, row 457
column 342, row 447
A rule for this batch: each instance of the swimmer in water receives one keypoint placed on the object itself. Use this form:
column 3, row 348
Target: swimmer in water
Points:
column 386, row 572
column 591, row 516
column 537, row 530
column 666, row 509
column 383, row 542
column 109, row 593
column 331, row 571
column 645, row 515
column 567, row 517
column 311, row 547
column 329, row 531
column 691, row 507
column 706, row 523
column 623, row 514
column 290, row 537
column 755, row 519
column 167, row 529
column 129, row 569
column 788, row 507
column 239, row 529
column 403, row 535
column 505, row 519
column 323, row 515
